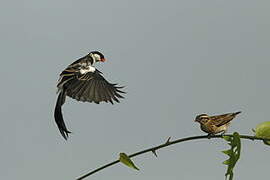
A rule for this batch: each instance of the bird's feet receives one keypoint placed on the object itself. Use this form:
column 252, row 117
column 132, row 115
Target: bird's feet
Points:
column 209, row 136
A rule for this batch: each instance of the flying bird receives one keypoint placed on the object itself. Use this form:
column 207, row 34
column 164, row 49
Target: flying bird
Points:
column 83, row 82
column 215, row 124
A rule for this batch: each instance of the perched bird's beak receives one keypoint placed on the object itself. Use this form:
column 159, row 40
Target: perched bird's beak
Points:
column 103, row 60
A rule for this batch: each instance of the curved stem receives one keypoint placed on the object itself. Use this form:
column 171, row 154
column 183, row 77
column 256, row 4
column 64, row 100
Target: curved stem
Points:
column 168, row 143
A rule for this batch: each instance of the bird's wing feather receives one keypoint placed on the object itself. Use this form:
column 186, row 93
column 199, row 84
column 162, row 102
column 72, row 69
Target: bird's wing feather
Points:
column 220, row 120
column 92, row 87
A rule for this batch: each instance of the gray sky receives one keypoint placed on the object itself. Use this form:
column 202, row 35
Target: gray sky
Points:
column 177, row 59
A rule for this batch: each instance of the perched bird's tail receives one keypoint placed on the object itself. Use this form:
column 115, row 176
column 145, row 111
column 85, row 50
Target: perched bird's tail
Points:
column 58, row 116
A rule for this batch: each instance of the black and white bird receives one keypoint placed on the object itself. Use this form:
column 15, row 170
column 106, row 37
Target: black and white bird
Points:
column 83, row 82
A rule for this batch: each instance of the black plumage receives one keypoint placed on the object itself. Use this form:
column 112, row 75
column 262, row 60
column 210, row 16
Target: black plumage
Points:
column 92, row 87
column 81, row 81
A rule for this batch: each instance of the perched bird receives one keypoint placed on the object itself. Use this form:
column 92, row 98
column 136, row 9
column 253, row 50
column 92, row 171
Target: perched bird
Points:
column 83, row 82
column 215, row 124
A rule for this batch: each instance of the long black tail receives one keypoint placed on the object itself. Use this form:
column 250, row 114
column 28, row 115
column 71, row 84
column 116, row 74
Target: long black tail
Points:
column 58, row 116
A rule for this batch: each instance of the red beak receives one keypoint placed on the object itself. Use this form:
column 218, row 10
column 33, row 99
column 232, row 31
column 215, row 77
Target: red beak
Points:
column 103, row 60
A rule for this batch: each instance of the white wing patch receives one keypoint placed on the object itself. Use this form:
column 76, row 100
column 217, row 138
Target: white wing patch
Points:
column 88, row 69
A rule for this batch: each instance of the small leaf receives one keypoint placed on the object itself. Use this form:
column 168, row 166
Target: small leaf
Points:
column 233, row 153
column 227, row 138
column 227, row 162
column 262, row 130
column 266, row 142
column 228, row 152
column 237, row 141
column 231, row 176
column 123, row 158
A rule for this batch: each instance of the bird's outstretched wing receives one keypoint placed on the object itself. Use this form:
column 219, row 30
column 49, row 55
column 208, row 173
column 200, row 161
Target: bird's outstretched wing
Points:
column 82, row 85
column 220, row 120
column 92, row 87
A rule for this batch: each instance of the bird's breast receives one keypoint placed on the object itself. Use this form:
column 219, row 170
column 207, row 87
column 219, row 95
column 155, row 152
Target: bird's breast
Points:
column 87, row 69
column 209, row 128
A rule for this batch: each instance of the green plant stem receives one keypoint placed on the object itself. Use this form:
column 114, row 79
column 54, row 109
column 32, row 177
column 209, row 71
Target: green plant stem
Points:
column 168, row 143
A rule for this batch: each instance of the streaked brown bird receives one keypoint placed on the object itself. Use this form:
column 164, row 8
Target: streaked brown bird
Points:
column 83, row 82
column 215, row 124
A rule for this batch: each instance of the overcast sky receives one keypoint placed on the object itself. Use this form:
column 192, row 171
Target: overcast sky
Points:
column 177, row 59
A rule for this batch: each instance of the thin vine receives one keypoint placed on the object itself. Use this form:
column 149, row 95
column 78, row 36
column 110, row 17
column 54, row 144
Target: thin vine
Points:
column 169, row 143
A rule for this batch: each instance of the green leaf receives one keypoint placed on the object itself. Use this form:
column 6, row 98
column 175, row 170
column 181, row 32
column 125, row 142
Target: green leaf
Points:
column 266, row 142
column 227, row 152
column 227, row 162
column 227, row 138
column 233, row 153
column 231, row 176
column 123, row 158
column 262, row 130
column 237, row 141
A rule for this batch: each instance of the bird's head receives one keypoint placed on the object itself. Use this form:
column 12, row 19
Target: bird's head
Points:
column 97, row 56
column 202, row 118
